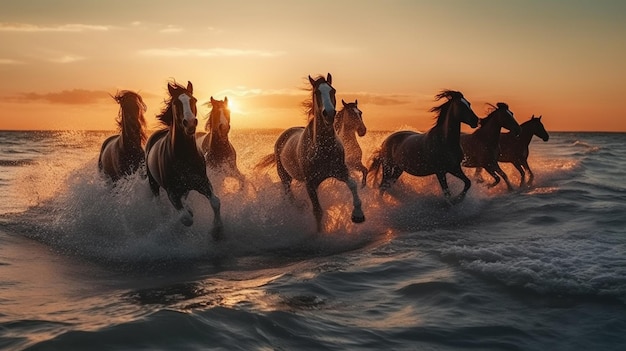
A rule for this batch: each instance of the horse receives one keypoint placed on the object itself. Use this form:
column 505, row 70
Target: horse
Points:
column 313, row 153
column 481, row 147
column 218, row 151
column 349, row 123
column 515, row 150
column 122, row 154
column 173, row 160
column 434, row 152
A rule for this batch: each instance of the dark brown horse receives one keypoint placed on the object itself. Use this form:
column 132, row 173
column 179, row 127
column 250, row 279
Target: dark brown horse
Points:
column 313, row 153
column 349, row 123
column 172, row 158
column 122, row 154
column 214, row 144
column 515, row 150
column 434, row 152
column 481, row 147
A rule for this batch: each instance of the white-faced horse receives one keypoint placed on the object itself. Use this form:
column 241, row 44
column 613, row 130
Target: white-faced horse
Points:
column 313, row 153
column 172, row 158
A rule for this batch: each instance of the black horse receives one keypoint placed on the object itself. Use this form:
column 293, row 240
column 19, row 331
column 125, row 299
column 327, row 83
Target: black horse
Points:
column 434, row 152
column 172, row 158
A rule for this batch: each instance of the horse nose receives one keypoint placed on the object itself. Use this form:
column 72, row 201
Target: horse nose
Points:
column 329, row 113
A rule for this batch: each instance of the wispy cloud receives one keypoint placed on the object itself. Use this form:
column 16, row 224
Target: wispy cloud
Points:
column 65, row 97
column 72, row 27
column 213, row 52
column 171, row 29
column 10, row 62
column 67, row 59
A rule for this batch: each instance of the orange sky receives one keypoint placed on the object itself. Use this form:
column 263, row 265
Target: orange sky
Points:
column 60, row 60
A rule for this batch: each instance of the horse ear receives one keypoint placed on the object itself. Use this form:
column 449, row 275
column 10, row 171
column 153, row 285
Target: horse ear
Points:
column 356, row 102
column 171, row 89
column 344, row 103
column 329, row 79
column 189, row 87
column 539, row 116
column 226, row 100
column 311, row 80
column 533, row 116
column 212, row 100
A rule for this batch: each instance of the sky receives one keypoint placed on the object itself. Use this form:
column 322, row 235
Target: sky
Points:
column 60, row 60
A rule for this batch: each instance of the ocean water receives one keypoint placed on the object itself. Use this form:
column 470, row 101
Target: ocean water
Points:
column 86, row 265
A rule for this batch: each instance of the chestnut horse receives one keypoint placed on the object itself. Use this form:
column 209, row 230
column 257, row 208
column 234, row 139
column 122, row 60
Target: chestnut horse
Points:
column 434, row 152
column 481, row 147
column 348, row 124
column 214, row 144
column 313, row 153
column 172, row 158
column 122, row 154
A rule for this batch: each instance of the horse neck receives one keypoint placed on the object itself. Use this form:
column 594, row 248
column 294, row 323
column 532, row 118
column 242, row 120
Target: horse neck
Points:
column 131, row 134
column 449, row 127
column 490, row 132
column 321, row 133
column 344, row 133
column 180, row 141
column 526, row 133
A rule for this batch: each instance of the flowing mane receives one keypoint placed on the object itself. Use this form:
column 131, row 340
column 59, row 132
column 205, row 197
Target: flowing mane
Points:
column 307, row 104
column 442, row 109
column 166, row 117
column 128, row 101
column 491, row 111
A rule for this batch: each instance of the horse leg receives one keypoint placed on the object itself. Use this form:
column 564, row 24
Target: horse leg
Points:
column 492, row 171
column 531, row 176
column 391, row 173
column 466, row 181
column 505, row 177
column 357, row 212
column 441, row 177
column 176, row 199
column 317, row 208
column 205, row 188
column 363, row 169
column 285, row 179
column 154, row 185
column 522, row 174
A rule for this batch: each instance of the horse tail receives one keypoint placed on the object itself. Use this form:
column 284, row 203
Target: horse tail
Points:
column 376, row 161
column 266, row 162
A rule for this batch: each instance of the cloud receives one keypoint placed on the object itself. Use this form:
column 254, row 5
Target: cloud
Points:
column 10, row 62
column 214, row 52
column 65, row 97
column 171, row 29
column 67, row 59
column 72, row 27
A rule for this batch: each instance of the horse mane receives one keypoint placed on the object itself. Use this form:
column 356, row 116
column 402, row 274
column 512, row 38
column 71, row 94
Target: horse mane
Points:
column 307, row 104
column 442, row 109
column 491, row 110
column 166, row 116
column 134, row 126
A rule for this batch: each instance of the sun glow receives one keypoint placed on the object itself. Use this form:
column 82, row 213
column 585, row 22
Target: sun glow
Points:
column 234, row 106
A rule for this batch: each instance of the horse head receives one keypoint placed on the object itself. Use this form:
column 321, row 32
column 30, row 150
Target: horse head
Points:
column 505, row 118
column 219, row 118
column 458, row 106
column 323, row 98
column 538, row 128
column 351, row 118
column 183, row 106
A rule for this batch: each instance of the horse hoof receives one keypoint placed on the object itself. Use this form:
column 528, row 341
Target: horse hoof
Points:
column 217, row 233
column 358, row 219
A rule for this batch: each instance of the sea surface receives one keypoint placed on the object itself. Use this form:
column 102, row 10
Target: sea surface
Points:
column 87, row 265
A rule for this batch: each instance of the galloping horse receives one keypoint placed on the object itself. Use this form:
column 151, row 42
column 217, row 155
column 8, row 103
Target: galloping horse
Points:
column 313, row 153
column 348, row 121
column 481, row 147
column 122, row 154
column 172, row 158
column 515, row 150
column 214, row 144
column 434, row 152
